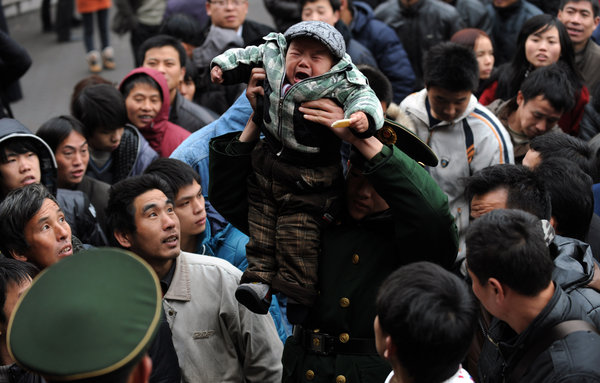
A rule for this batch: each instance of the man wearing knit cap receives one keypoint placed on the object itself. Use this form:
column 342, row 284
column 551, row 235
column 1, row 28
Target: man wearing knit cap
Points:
column 297, row 178
column 75, row 324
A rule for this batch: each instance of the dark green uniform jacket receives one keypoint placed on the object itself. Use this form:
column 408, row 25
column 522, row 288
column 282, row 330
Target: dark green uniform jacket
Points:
column 356, row 256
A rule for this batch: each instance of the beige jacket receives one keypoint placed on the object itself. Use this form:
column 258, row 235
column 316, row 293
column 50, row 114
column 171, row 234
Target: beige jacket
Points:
column 215, row 338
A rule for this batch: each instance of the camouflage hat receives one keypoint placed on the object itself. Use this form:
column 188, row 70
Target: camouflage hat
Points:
column 320, row 31
column 86, row 316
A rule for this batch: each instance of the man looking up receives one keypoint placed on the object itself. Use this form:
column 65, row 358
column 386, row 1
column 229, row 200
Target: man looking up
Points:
column 215, row 338
column 580, row 17
column 165, row 54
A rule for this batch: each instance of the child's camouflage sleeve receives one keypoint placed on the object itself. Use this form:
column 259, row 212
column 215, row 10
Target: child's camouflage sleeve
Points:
column 237, row 63
column 360, row 97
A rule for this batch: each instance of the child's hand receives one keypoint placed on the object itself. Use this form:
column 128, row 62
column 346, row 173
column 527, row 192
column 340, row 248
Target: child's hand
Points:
column 359, row 122
column 216, row 74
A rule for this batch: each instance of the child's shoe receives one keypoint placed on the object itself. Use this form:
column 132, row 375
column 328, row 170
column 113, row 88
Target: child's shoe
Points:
column 108, row 58
column 256, row 296
column 93, row 60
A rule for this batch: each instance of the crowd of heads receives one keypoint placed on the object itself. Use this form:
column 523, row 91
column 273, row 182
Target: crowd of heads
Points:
column 426, row 315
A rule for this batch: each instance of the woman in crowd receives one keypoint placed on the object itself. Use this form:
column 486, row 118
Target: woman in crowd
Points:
column 64, row 135
column 543, row 40
column 481, row 44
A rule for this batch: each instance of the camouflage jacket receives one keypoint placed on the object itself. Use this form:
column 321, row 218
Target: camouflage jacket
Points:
column 343, row 83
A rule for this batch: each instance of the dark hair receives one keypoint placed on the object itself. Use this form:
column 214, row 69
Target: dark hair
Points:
column 160, row 41
column 13, row 271
column 514, row 73
column 430, row 315
column 17, row 208
column 100, row 106
column 452, row 67
column 335, row 4
column 191, row 72
column 19, row 145
column 595, row 6
column 139, row 78
column 571, row 195
column 120, row 211
column 176, row 173
column 57, row 129
column 185, row 28
column 545, row 81
column 84, row 83
column 468, row 37
column 509, row 245
column 561, row 145
column 525, row 191
column 380, row 84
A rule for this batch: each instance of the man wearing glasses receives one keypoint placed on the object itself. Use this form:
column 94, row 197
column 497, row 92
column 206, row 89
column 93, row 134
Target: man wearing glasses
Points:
column 231, row 14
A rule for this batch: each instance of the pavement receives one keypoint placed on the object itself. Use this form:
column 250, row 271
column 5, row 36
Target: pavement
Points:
column 57, row 67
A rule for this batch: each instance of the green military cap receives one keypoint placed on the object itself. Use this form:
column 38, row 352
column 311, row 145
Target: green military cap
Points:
column 393, row 133
column 86, row 316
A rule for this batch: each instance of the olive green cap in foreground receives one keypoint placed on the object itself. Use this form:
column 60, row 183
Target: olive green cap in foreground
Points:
column 393, row 133
column 86, row 316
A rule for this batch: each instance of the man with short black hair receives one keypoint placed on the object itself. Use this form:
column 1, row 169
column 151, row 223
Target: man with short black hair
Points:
column 464, row 134
column 34, row 228
column 231, row 14
column 581, row 17
column 511, row 271
column 15, row 279
column 214, row 337
column 26, row 159
column 166, row 54
column 537, row 108
column 425, row 321
column 516, row 187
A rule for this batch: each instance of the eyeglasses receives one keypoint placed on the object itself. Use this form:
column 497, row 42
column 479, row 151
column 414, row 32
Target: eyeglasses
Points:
column 224, row 3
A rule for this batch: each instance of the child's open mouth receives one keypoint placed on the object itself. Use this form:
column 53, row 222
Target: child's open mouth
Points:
column 299, row 76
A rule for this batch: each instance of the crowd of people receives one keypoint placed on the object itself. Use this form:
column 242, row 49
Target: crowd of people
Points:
column 396, row 191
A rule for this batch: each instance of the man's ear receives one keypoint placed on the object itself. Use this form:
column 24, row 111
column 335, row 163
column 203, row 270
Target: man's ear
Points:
column 498, row 290
column 390, row 348
column 141, row 371
column 18, row 256
column 520, row 98
column 182, row 74
column 123, row 238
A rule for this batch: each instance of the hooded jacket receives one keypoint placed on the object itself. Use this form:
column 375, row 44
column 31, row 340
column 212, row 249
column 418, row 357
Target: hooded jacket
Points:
column 285, row 129
column 131, row 158
column 474, row 140
column 386, row 47
column 577, row 273
column 79, row 212
column 162, row 135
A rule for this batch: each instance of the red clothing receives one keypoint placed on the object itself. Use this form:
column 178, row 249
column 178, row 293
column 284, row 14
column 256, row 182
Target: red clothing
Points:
column 163, row 136
column 569, row 122
column 88, row 6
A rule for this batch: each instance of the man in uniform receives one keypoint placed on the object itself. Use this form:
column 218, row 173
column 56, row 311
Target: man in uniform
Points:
column 395, row 214
column 72, row 325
